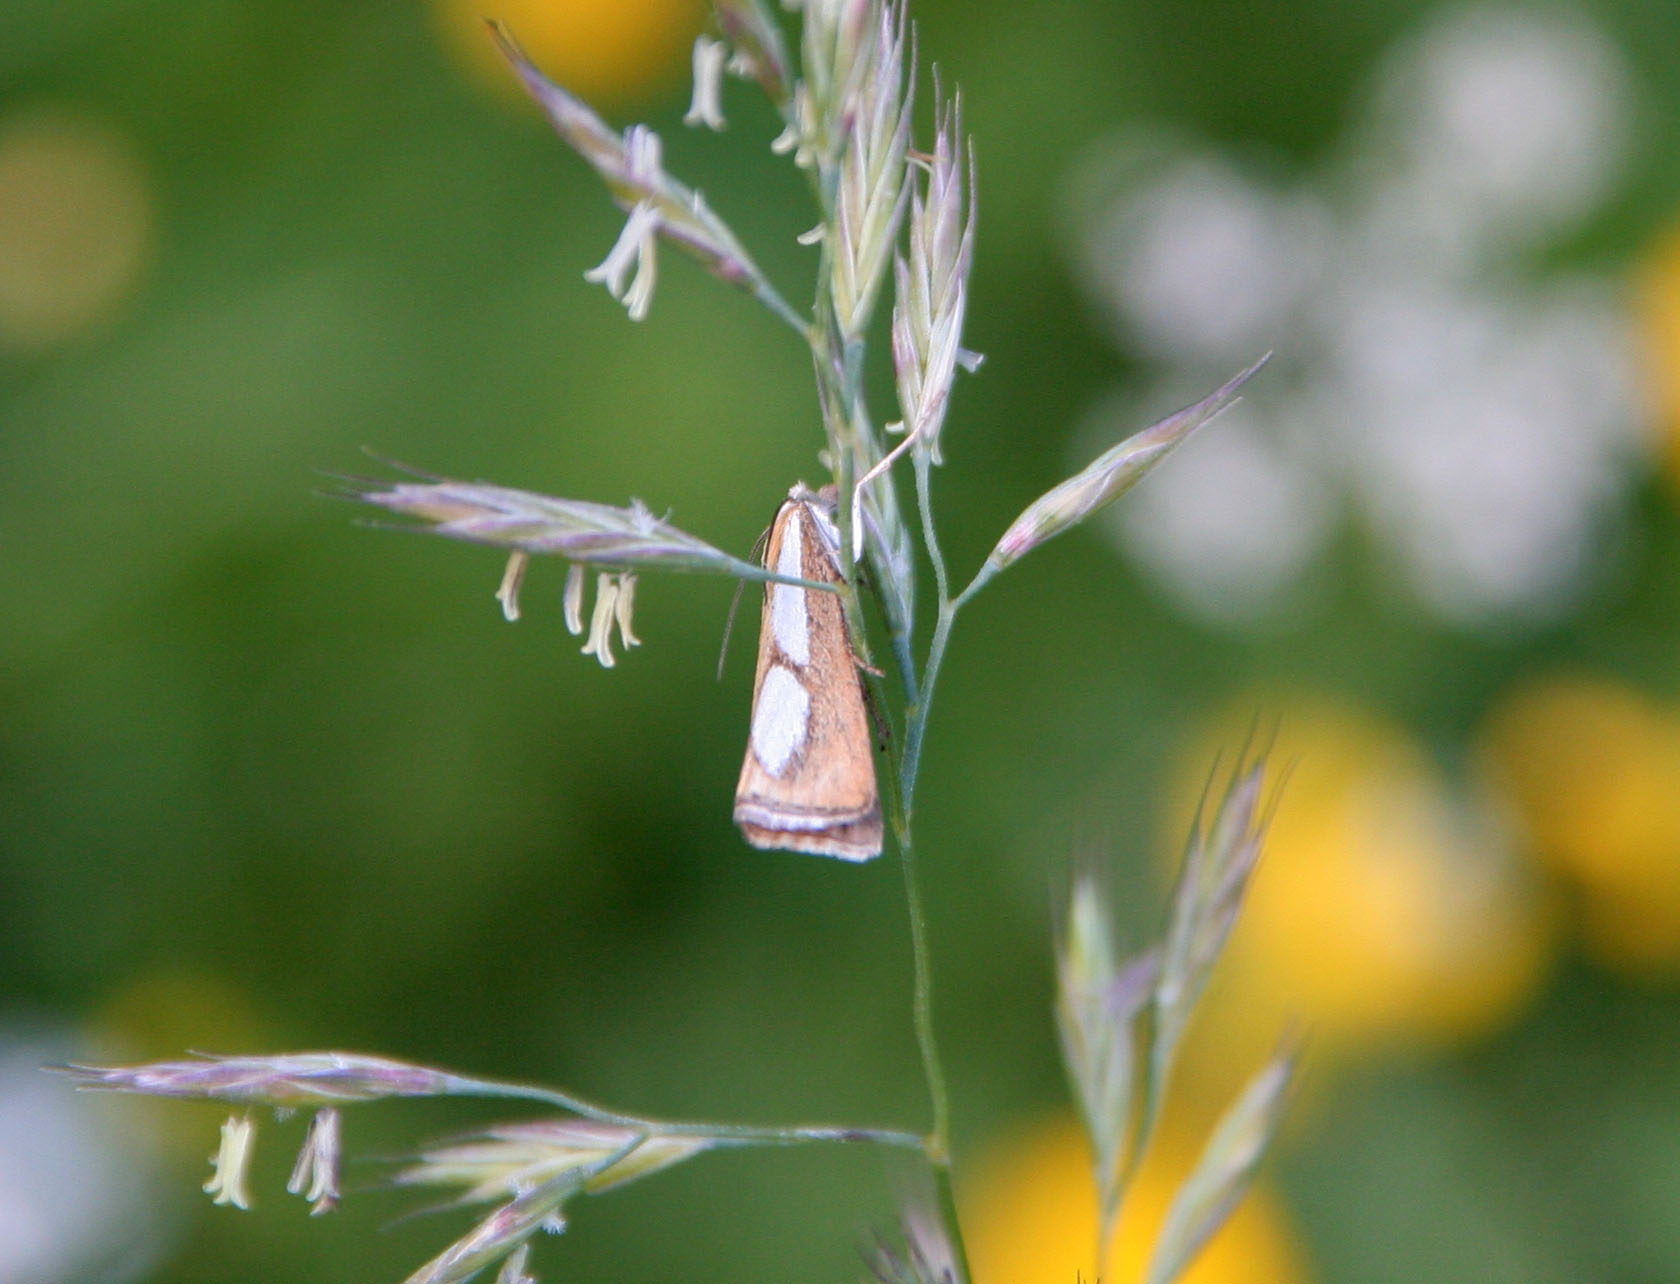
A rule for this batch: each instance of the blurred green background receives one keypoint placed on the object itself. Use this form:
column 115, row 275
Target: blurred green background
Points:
column 271, row 781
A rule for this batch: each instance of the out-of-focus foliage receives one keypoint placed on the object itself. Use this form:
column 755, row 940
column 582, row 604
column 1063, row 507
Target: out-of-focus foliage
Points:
column 269, row 780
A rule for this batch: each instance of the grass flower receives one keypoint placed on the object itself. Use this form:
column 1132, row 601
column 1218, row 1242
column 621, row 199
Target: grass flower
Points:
column 315, row 1175
column 232, row 1164
column 1122, row 1022
column 1099, row 1000
column 614, row 597
column 573, row 601
column 870, row 194
column 932, row 294
column 835, row 51
column 502, row 1233
column 513, row 1267
column 620, row 541
column 284, row 1080
column 760, row 53
column 577, row 530
column 513, row 579
column 931, row 300
column 925, row 1254
column 504, row 1161
column 1221, row 1174
column 537, row 1168
column 1105, row 479
column 636, row 245
column 632, row 167
column 1388, row 913
column 707, row 105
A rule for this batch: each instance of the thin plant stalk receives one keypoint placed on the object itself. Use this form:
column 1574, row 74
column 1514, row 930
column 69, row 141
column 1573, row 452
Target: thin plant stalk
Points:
column 839, row 367
column 742, row 1134
column 829, row 355
column 919, row 698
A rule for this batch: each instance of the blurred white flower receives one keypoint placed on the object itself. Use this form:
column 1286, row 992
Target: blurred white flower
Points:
column 1191, row 259
column 74, row 1190
column 1233, row 523
column 1514, row 121
column 1479, row 416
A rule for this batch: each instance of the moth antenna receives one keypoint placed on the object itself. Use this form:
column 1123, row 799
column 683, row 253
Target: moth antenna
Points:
column 760, row 543
column 729, row 626
column 735, row 601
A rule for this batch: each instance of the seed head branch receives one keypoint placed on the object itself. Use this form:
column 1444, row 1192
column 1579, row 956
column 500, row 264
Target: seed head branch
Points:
column 658, row 205
column 931, row 300
column 628, row 539
column 871, row 188
column 292, row 1079
column 1102, row 481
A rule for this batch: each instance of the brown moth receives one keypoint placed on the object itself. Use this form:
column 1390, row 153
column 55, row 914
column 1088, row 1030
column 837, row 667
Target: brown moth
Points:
column 808, row 782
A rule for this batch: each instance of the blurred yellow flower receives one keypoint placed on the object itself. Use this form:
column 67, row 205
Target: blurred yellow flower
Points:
column 1383, row 911
column 1659, row 323
column 156, row 1015
column 605, row 51
column 1030, row 1217
column 76, row 226
column 1592, row 768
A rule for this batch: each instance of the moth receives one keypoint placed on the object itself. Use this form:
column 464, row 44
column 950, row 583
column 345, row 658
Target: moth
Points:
column 808, row 782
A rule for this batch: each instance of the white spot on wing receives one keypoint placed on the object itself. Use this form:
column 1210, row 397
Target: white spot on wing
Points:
column 789, row 624
column 780, row 718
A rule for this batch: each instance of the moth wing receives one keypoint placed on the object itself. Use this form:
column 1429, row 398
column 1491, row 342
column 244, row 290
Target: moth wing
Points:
column 808, row 780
